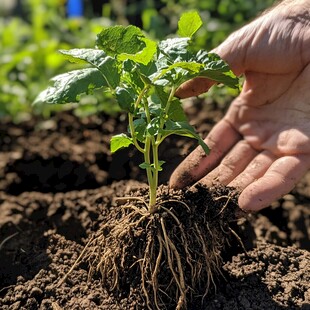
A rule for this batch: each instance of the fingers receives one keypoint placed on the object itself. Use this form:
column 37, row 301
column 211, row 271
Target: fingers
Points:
column 280, row 178
column 194, row 87
column 232, row 165
column 254, row 170
column 195, row 166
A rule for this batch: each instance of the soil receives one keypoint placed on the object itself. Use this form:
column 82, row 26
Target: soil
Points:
column 58, row 184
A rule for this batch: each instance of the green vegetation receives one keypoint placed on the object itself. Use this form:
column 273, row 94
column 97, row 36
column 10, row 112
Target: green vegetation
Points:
column 143, row 75
column 29, row 46
column 29, row 53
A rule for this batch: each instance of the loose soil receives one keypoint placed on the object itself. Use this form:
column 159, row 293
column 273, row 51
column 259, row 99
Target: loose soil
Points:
column 58, row 184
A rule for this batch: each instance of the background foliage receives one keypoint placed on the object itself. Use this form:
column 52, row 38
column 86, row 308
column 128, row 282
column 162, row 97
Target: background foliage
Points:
column 30, row 41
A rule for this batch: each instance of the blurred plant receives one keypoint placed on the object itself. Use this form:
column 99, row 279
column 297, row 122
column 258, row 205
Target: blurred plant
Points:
column 159, row 18
column 29, row 47
column 29, row 54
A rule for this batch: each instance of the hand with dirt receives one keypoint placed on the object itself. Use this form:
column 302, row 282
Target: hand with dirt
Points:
column 262, row 145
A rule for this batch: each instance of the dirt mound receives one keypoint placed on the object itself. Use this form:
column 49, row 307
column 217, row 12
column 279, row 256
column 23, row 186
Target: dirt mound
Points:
column 56, row 179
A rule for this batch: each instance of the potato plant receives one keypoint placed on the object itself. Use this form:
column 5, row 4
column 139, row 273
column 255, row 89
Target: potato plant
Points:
column 153, row 244
column 143, row 75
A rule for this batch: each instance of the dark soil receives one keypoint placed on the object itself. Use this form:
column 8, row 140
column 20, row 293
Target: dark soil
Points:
column 58, row 182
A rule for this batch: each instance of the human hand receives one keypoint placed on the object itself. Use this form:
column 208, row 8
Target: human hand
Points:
column 262, row 145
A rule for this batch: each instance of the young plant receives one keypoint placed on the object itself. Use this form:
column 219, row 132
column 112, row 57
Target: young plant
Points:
column 143, row 75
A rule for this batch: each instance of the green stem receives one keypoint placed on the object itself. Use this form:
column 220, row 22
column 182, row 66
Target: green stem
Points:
column 151, row 171
column 133, row 133
column 151, row 174
column 163, row 119
column 153, row 190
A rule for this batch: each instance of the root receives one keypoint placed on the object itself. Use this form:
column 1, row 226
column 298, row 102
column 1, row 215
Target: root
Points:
column 125, row 199
column 7, row 239
column 225, row 205
column 170, row 258
column 239, row 239
column 76, row 263
column 173, row 253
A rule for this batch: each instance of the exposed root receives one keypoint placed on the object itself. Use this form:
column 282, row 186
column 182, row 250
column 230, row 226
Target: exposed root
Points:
column 239, row 239
column 168, row 258
column 76, row 263
column 7, row 239
column 225, row 205
column 123, row 200
column 174, row 258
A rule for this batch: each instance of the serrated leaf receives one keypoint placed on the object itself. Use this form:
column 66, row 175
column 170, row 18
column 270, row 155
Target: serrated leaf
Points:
column 144, row 56
column 217, row 69
column 120, row 141
column 99, row 59
column 173, row 48
column 183, row 129
column 119, row 39
column 69, row 86
column 189, row 24
column 84, row 55
column 191, row 67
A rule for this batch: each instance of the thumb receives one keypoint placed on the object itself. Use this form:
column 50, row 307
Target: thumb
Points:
column 233, row 51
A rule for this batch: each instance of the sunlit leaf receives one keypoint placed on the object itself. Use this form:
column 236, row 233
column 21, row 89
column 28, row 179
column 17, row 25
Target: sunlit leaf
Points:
column 144, row 56
column 189, row 23
column 119, row 39
column 120, row 141
column 69, row 86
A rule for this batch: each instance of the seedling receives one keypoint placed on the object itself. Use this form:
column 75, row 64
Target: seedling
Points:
column 143, row 75
column 162, row 246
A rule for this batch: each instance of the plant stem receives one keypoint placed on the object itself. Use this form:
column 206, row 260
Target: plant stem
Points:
column 163, row 119
column 152, row 174
column 155, row 176
column 152, row 146
column 133, row 133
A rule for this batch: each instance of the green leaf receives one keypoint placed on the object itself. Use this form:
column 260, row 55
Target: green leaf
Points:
column 217, row 69
column 84, row 55
column 152, row 166
column 176, row 112
column 140, row 128
column 69, row 86
column 119, row 39
column 172, row 49
column 183, row 129
column 131, row 75
column 126, row 98
column 153, row 127
column 146, row 166
column 189, row 24
column 97, row 58
column 191, row 67
column 144, row 56
column 159, row 101
column 108, row 68
column 120, row 141
column 160, row 163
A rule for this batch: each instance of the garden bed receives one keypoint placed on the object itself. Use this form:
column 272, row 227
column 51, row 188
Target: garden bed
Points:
column 58, row 182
